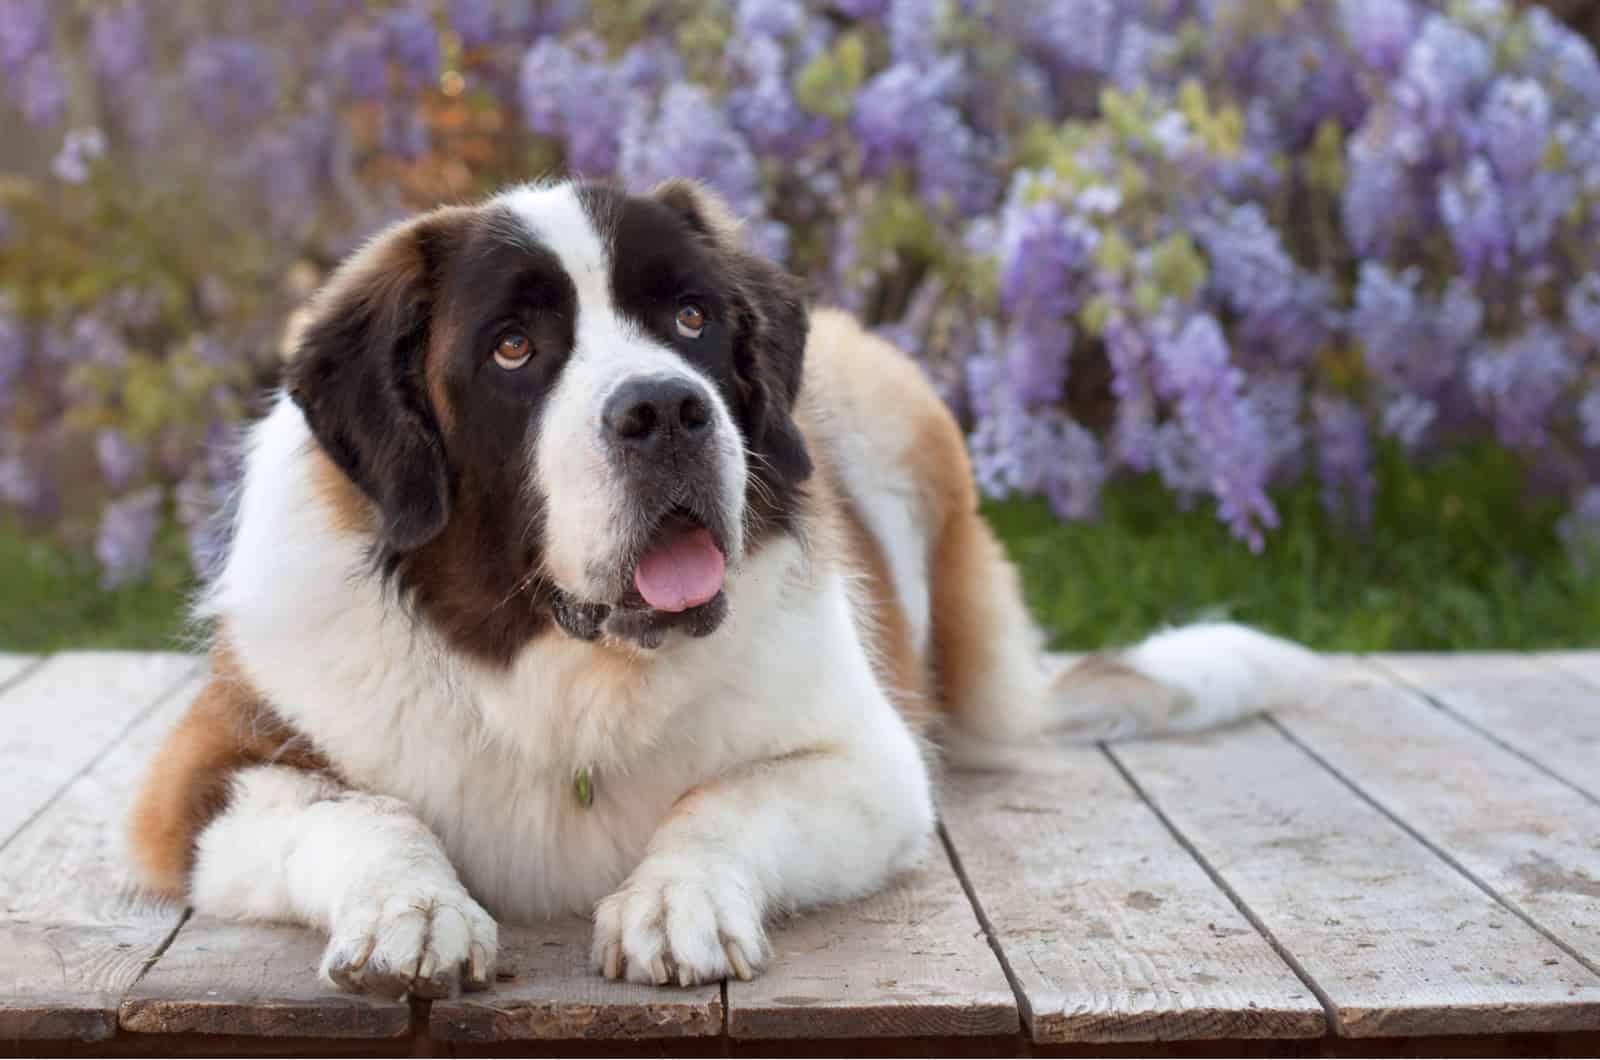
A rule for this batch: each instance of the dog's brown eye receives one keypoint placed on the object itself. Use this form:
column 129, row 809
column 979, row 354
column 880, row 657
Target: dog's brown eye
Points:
column 691, row 321
column 513, row 351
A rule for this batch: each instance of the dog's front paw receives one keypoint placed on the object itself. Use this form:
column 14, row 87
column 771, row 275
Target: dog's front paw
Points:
column 426, row 942
column 677, row 923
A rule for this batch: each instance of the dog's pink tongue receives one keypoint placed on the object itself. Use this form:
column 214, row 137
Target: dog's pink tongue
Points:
column 683, row 569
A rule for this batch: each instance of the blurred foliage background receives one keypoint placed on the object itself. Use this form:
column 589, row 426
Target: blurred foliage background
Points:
column 1281, row 309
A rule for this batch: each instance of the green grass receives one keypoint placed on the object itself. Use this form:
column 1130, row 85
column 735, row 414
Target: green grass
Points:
column 1457, row 558
column 51, row 600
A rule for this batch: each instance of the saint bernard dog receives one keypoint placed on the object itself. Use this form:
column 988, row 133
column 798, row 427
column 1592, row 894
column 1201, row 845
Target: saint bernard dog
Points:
column 580, row 568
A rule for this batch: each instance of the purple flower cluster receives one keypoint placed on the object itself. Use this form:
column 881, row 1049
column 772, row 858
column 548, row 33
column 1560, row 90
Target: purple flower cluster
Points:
column 1229, row 243
column 28, row 66
column 1340, row 222
column 127, row 530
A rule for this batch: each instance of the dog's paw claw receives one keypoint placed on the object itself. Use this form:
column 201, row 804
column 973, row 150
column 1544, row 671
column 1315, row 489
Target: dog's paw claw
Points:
column 674, row 924
column 421, row 945
column 736, row 961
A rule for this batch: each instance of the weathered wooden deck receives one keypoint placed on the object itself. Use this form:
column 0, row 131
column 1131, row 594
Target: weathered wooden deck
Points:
column 1417, row 857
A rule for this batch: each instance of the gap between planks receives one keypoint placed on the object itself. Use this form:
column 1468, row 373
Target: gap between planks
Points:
column 1110, row 931
column 1566, row 868
column 66, row 705
column 93, row 925
column 967, row 884
column 1439, row 852
column 1436, row 679
column 1329, row 1010
column 909, row 961
column 15, row 668
column 1024, row 1009
column 546, row 990
column 1415, row 947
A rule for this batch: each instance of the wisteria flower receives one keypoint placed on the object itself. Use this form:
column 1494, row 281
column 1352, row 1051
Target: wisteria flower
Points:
column 128, row 528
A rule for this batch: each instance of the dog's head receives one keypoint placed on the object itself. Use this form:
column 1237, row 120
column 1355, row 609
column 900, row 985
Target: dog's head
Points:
column 566, row 404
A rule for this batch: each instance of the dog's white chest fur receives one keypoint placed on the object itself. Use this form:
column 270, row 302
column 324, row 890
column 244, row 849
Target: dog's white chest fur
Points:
column 488, row 757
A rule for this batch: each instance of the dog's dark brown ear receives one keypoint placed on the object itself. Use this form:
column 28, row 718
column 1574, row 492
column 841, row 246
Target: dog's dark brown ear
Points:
column 769, row 337
column 359, row 375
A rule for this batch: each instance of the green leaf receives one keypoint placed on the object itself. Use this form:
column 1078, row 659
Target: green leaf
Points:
column 1325, row 160
column 897, row 221
column 1095, row 315
column 1124, row 114
column 1192, row 103
column 1177, row 267
column 1114, row 255
column 827, row 84
column 1147, row 298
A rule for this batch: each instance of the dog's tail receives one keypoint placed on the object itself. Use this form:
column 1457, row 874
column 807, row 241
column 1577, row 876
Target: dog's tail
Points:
column 1177, row 680
column 1180, row 680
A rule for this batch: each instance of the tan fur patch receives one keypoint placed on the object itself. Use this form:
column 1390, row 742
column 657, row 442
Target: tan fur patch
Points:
column 186, row 785
column 434, row 364
column 977, row 600
column 894, row 654
column 975, row 597
column 348, row 511
column 397, row 260
column 852, row 377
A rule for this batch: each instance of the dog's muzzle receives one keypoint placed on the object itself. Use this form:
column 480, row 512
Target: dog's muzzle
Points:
column 659, row 434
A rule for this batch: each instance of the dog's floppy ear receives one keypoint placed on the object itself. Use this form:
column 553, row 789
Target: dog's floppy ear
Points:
column 359, row 376
column 769, row 332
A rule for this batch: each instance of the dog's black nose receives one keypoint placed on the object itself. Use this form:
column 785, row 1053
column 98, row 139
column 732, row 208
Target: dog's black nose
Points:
column 651, row 413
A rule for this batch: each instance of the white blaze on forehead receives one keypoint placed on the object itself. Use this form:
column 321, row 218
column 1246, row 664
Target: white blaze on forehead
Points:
column 586, row 504
column 555, row 217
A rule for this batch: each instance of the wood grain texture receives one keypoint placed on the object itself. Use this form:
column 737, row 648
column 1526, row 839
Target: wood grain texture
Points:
column 1525, row 835
column 60, row 717
column 1397, row 940
column 545, row 989
column 256, row 980
column 911, row 961
column 75, row 931
column 1503, row 693
column 1111, row 930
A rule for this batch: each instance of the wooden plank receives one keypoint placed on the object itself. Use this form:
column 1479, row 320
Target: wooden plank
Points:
column 14, row 666
column 1530, row 706
column 1584, row 665
column 72, row 949
column 75, row 930
column 545, row 989
column 1525, row 835
column 252, row 980
column 1112, row 932
column 909, row 962
column 63, row 715
column 1394, row 938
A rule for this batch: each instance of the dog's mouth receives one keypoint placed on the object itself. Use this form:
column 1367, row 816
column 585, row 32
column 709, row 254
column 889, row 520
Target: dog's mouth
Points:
column 673, row 582
column 681, row 567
